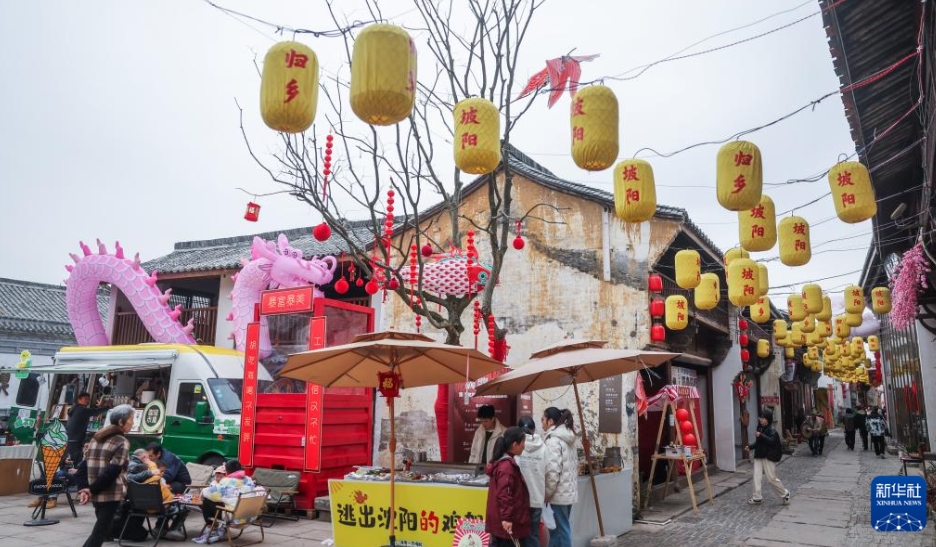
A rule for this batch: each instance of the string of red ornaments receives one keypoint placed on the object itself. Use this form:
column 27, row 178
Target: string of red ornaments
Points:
column 323, row 231
column 657, row 308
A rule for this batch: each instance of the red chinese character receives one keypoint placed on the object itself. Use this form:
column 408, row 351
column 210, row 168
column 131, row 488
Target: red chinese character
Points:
column 757, row 212
column 578, row 133
column 748, row 289
column 253, row 343
column 292, row 90
column 844, row 179
column 280, row 301
column 879, row 302
column 631, row 194
column 300, row 298
column 629, row 173
column 429, row 522
column 680, row 316
column 290, row 299
column 314, row 389
column 294, row 59
column 757, row 231
column 469, row 139
column 577, row 107
column 799, row 245
column 799, row 228
column 856, row 302
column 739, row 184
column 470, row 116
column 410, row 81
column 848, row 199
column 856, row 293
column 742, row 159
column 747, row 273
column 680, row 305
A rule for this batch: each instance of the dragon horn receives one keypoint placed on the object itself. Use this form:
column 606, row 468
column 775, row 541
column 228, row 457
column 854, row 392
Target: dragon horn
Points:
column 230, row 316
column 189, row 327
column 74, row 257
column 69, row 267
column 136, row 261
column 176, row 312
column 164, row 298
column 119, row 252
column 84, row 248
column 151, row 280
column 101, row 249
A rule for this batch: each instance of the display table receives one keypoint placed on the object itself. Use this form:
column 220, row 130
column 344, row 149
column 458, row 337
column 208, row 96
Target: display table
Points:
column 428, row 513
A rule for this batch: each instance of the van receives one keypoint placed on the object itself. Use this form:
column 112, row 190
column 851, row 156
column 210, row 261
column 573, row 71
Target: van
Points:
column 187, row 397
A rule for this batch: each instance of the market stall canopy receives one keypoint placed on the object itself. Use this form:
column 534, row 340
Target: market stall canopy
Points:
column 98, row 362
column 417, row 358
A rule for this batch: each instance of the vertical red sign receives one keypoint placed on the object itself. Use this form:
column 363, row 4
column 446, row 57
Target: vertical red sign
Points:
column 245, row 450
column 315, row 401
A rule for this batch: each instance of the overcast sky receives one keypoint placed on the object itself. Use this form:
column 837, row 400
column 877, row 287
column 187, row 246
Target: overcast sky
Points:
column 117, row 119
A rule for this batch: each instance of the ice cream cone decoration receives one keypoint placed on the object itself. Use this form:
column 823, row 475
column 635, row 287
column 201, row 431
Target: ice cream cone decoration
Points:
column 53, row 444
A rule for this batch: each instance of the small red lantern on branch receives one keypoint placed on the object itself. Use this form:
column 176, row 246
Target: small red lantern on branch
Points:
column 253, row 212
column 390, row 383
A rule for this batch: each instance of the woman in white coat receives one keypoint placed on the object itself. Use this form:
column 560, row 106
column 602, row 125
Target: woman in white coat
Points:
column 561, row 472
column 532, row 464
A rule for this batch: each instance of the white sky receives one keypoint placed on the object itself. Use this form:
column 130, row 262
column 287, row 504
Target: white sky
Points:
column 117, row 119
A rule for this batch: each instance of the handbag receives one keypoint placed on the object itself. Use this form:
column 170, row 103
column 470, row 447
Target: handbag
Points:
column 548, row 518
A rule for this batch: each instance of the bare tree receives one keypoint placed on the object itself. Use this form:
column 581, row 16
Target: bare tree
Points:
column 478, row 62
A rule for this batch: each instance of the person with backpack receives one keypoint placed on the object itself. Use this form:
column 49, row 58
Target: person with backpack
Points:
column 877, row 428
column 767, row 451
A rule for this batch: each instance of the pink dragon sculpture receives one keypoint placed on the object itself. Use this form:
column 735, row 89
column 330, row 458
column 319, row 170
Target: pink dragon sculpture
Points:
column 272, row 265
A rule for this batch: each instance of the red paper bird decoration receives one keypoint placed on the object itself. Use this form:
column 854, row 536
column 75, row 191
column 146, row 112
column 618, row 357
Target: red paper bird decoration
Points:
column 559, row 73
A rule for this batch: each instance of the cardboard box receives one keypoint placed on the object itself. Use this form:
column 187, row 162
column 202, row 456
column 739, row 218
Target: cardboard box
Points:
column 15, row 475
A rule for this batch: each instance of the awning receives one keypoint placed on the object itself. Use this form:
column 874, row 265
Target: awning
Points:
column 99, row 362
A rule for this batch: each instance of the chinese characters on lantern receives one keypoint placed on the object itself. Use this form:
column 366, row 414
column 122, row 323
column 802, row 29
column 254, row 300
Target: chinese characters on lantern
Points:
column 578, row 132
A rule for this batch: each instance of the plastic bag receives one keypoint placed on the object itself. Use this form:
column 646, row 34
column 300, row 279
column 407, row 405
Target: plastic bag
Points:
column 549, row 519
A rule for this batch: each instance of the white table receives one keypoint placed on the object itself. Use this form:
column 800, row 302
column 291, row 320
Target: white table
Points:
column 616, row 495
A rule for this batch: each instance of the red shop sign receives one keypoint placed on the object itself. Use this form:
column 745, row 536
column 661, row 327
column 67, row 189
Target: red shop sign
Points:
column 249, row 398
column 315, row 402
column 298, row 300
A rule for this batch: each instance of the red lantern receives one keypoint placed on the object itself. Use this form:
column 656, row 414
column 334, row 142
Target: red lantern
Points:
column 389, row 383
column 341, row 286
column 518, row 243
column 657, row 333
column 655, row 283
column 372, row 287
column 657, row 308
column 427, row 250
column 689, row 440
column 682, row 414
column 321, row 232
column 742, row 324
column 686, row 427
column 745, row 356
column 743, row 340
column 393, row 284
column 253, row 212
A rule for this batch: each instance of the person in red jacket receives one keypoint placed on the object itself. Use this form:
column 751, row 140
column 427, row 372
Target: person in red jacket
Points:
column 508, row 501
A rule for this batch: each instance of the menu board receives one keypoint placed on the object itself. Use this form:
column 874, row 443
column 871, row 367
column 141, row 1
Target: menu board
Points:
column 610, row 400
column 463, row 418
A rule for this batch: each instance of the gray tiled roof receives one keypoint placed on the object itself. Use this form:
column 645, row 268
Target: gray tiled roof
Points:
column 226, row 253
column 37, row 308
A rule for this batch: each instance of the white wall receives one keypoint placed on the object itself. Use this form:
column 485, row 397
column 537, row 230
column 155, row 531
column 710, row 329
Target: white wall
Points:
column 927, row 344
column 224, row 328
column 724, row 403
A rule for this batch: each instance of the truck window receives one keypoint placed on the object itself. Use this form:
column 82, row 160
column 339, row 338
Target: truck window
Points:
column 227, row 393
column 190, row 393
column 28, row 392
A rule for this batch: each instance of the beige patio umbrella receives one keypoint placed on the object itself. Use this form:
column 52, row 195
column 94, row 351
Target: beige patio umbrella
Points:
column 417, row 359
column 571, row 363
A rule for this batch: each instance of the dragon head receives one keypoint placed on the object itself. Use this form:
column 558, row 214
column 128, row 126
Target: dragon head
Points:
column 288, row 269
column 478, row 275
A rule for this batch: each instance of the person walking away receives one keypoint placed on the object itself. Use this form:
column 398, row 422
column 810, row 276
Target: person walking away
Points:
column 810, row 431
column 234, row 483
column 861, row 424
column 848, row 422
column 108, row 457
column 561, row 472
column 482, row 446
column 876, row 428
column 532, row 462
column 823, row 430
column 177, row 475
column 767, row 451
column 508, row 502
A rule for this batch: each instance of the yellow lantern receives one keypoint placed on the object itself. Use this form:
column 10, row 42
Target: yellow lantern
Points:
column 826, row 313
column 858, row 344
column 688, row 269
column 808, row 324
column 813, row 353
column 874, row 343
column 289, row 87
column 812, row 298
column 789, row 352
column 763, row 348
column 779, row 328
column 706, row 294
column 852, row 192
column 594, row 121
column 757, row 226
column 733, row 253
column 760, row 310
column 383, row 75
column 853, row 319
column 814, row 338
column 881, row 300
column 824, row 328
column 677, row 312
column 634, row 191
column 742, row 282
column 854, row 299
column 797, row 337
column 795, row 307
column 793, row 233
column 763, row 282
column 477, row 136
column 842, row 329
column 739, row 176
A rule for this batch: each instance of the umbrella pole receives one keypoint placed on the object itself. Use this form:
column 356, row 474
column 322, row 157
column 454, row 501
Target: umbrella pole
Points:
column 588, row 457
column 392, row 474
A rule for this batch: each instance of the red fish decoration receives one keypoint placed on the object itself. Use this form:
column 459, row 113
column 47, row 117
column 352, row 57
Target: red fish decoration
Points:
column 559, row 73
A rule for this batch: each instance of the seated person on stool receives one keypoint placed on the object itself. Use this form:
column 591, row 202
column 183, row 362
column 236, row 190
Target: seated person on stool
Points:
column 176, row 475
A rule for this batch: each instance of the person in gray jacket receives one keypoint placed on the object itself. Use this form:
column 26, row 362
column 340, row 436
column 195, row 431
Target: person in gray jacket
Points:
column 561, row 473
column 532, row 464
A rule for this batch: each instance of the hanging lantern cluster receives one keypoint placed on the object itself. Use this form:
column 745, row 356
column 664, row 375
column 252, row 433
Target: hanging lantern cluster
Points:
column 634, row 191
column 477, row 136
column 383, row 75
column 757, row 226
column 657, row 307
column 289, row 87
column 760, row 310
column 852, row 192
column 743, row 341
column 708, row 292
column 743, row 289
column 594, row 124
column 763, row 281
column 739, row 176
column 688, row 269
column 793, row 234
column 733, row 253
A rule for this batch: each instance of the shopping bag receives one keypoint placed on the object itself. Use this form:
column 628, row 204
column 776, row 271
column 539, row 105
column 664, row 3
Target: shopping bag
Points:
column 549, row 519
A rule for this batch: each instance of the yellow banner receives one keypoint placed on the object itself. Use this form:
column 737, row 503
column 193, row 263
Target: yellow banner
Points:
column 426, row 514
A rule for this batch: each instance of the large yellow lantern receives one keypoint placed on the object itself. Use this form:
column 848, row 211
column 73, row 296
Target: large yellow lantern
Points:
column 858, row 345
column 594, row 121
column 815, row 337
column 813, row 353
column 852, row 192
column 763, row 348
column 733, row 253
column 854, row 299
column 842, row 329
column 763, row 281
column 634, row 191
column 742, row 282
column 779, row 329
column 812, row 298
column 793, row 233
column 853, row 319
column 874, row 343
column 789, row 352
column 826, row 313
column 797, row 336
column 739, row 176
column 757, row 226
column 706, row 294
column 688, row 269
column 795, row 307
column 477, row 136
column 289, row 87
column 808, row 324
column 677, row 312
column 881, row 300
column 824, row 328
column 760, row 310
column 383, row 75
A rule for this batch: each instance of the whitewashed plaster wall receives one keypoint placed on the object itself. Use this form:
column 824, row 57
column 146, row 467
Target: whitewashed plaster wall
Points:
column 224, row 328
column 724, row 403
column 927, row 344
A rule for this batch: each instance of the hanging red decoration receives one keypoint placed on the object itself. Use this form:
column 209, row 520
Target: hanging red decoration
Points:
column 655, row 283
column 372, row 287
column 518, row 242
column 657, row 308
column 745, row 356
column 341, row 286
column 390, row 383
column 476, row 322
column 559, row 73
column 359, row 282
column 321, row 232
column 657, row 333
column 742, row 387
column 426, row 250
column 393, row 284
column 686, row 427
column 743, row 340
column 491, row 334
column 253, row 212
column 682, row 414
column 742, row 324
column 326, row 165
